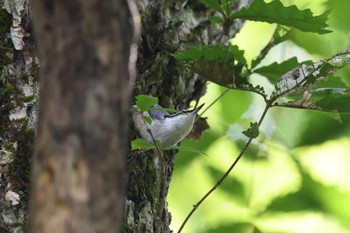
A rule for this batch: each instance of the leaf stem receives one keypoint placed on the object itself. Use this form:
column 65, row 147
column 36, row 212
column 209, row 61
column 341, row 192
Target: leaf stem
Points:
column 218, row 183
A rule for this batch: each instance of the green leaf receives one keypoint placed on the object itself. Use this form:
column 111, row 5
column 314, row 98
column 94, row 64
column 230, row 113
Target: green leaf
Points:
column 331, row 81
column 215, row 63
column 282, row 34
column 312, row 86
column 213, row 4
column 321, row 99
column 216, row 52
column 275, row 70
column 332, row 99
column 190, row 149
column 307, row 76
column 144, row 102
column 216, row 19
column 238, row 54
column 253, row 130
column 275, row 12
column 141, row 144
column 147, row 119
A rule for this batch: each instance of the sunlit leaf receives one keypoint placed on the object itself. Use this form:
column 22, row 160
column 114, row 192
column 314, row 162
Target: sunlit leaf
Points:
column 238, row 54
column 275, row 12
column 140, row 144
column 147, row 119
column 144, row 102
column 253, row 130
column 190, row 149
column 282, row 34
column 275, row 70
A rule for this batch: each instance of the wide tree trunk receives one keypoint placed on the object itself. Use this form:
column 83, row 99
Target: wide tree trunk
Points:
column 78, row 168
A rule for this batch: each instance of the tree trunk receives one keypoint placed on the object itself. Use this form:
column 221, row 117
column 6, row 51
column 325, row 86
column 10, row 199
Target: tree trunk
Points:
column 167, row 26
column 78, row 168
column 18, row 95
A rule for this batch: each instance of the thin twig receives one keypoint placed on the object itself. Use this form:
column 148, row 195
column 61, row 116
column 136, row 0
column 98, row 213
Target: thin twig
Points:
column 218, row 183
column 155, row 143
column 212, row 103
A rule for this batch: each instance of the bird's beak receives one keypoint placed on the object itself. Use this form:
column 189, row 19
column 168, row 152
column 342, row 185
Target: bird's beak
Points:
column 198, row 108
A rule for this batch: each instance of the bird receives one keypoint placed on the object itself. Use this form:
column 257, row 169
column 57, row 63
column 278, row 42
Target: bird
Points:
column 169, row 129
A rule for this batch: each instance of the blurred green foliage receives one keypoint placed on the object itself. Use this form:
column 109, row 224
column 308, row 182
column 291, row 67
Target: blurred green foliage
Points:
column 295, row 178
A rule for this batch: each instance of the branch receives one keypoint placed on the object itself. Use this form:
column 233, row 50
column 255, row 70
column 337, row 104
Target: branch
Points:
column 218, row 183
column 299, row 77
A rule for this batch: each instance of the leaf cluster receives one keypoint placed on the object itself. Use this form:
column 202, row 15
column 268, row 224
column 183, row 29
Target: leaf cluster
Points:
column 296, row 84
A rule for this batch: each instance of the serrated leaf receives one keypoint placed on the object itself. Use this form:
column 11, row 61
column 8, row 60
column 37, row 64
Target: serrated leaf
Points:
column 238, row 54
column 275, row 70
column 311, row 86
column 253, row 130
column 215, row 71
column 282, row 34
column 141, row 144
column 216, row 64
column 144, row 102
column 304, row 78
column 322, row 99
column 276, row 12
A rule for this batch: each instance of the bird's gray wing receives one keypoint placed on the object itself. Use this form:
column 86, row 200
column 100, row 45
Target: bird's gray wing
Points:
column 157, row 114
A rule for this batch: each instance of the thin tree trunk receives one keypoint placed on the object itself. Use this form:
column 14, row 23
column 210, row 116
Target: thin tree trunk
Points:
column 78, row 168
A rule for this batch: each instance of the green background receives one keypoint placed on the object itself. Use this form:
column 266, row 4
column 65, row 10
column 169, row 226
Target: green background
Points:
column 295, row 178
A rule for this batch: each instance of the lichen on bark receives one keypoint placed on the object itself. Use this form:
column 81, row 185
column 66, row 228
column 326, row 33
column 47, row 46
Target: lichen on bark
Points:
column 18, row 94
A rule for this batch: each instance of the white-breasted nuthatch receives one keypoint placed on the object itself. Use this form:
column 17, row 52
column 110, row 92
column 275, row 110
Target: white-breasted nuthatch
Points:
column 169, row 129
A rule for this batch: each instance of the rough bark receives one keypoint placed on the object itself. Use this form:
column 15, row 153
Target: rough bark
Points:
column 167, row 26
column 18, row 94
column 78, row 168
